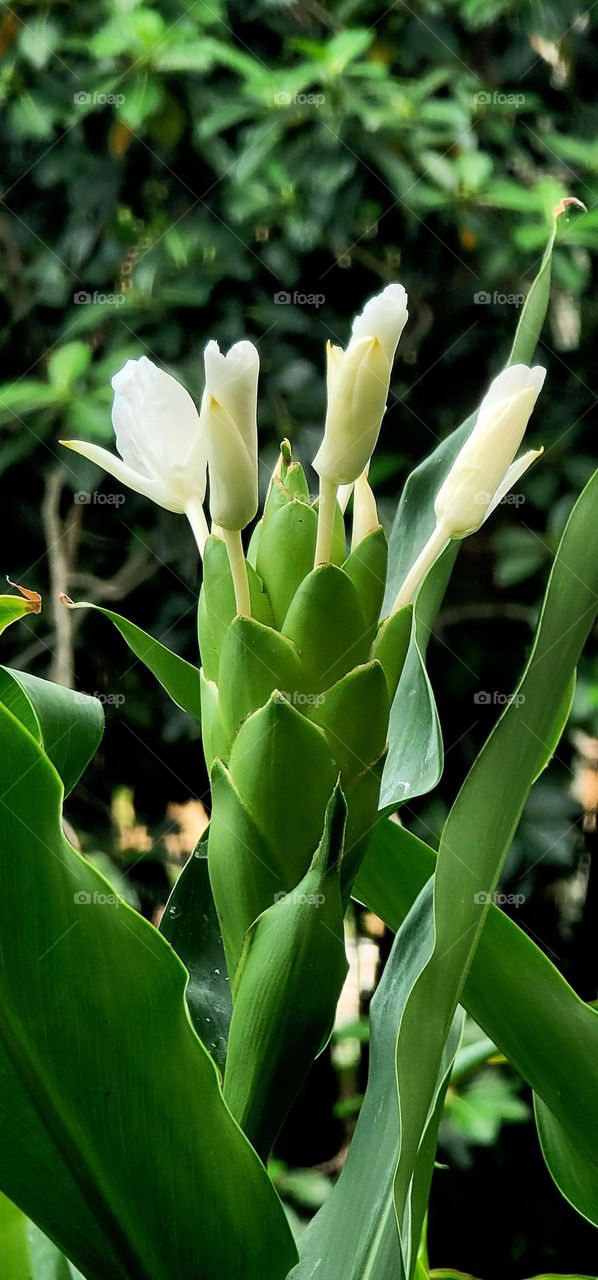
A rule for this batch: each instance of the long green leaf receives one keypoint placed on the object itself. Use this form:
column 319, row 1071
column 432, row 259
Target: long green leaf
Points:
column 513, row 991
column 483, row 820
column 354, row 1235
column 574, row 1168
column 178, row 677
column 66, row 724
column 94, row 1028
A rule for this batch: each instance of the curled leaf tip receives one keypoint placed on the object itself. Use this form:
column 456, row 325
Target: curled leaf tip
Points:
column 66, row 600
column 33, row 597
column 569, row 202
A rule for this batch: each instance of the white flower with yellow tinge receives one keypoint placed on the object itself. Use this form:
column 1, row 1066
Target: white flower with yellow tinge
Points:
column 358, row 380
column 483, row 471
column 229, row 426
column 160, row 441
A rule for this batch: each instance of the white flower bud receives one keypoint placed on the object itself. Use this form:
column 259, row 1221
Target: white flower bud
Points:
column 484, row 470
column 229, row 419
column 358, row 381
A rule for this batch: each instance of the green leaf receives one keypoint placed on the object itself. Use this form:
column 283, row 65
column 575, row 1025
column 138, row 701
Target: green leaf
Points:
column 93, row 1027
column 513, row 991
column 191, row 925
column 286, row 990
column 67, row 364
column 68, row 725
column 14, row 1245
column 12, row 608
column 415, row 752
column 481, row 824
column 355, row 1234
column 178, row 677
column 574, row 1170
column 26, row 1252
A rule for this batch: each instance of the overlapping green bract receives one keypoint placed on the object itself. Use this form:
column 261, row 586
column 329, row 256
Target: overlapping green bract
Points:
column 295, row 707
column 283, row 699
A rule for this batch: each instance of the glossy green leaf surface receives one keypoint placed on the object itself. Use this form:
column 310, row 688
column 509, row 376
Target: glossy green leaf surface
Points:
column 191, row 925
column 354, row 1235
column 93, row 1027
column 574, row 1169
column 286, row 990
column 178, row 677
column 66, row 724
column 481, row 824
column 512, row 990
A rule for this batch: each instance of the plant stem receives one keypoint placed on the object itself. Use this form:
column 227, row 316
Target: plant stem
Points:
column 430, row 552
column 326, row 514
column 238, row 568
column 195, row 514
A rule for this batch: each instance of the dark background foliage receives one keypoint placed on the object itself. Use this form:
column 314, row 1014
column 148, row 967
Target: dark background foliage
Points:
column 173, row 172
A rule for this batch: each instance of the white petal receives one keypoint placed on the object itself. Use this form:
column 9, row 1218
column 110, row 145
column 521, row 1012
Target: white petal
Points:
column 384, row 317
column 232, row 470
column 232, row 380
column 344, row 494
column 155, row 420
column 365, row 511
column 122, row 472
column 510, row 382
column 514, row 473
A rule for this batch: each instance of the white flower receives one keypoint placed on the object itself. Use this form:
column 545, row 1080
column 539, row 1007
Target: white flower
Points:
column 159, row 439
column 484, row 470
column 358, row 380
column 229, row 421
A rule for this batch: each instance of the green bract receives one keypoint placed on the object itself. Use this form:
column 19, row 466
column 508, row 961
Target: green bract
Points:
column 283, row 699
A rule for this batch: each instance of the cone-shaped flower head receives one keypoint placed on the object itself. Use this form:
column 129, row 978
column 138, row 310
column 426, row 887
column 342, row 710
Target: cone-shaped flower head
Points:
column 229, row 419
column 158, row 436
column 484, row 471
column 358, row 380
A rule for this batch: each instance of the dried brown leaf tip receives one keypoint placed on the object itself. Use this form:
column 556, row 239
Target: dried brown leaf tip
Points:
column 33, row 598
column 569, row 202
